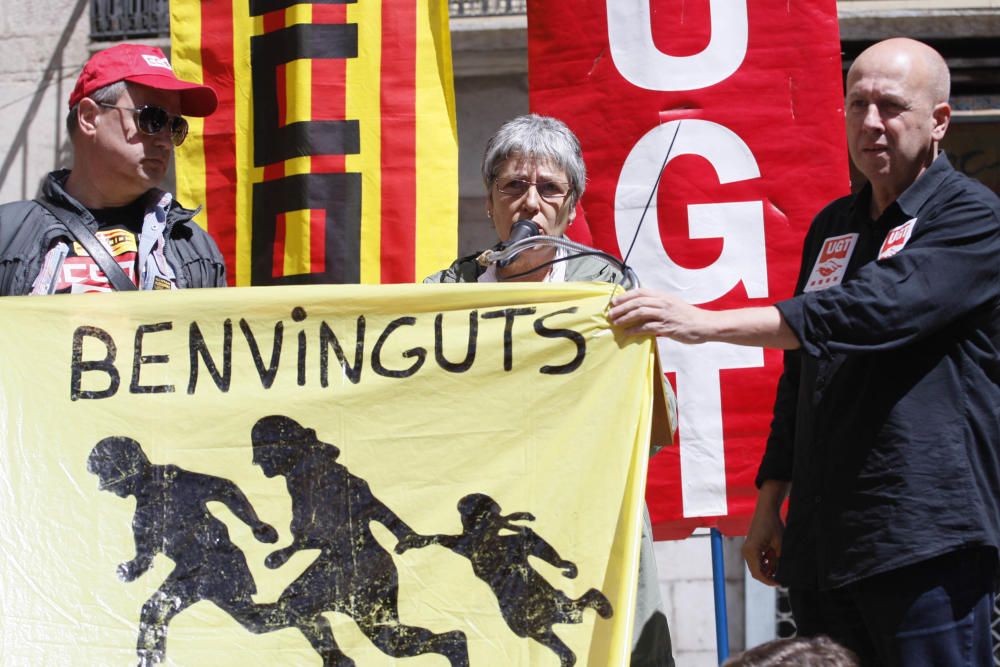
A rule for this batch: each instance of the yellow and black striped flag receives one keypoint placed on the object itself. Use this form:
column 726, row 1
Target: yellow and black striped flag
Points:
column 333, row 155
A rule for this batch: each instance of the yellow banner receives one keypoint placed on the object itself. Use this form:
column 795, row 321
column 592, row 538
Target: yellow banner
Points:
column 394, row 475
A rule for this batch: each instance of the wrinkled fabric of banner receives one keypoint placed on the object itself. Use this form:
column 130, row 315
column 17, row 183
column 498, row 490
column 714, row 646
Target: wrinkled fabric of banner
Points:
column 330, row 114
column 395, row 475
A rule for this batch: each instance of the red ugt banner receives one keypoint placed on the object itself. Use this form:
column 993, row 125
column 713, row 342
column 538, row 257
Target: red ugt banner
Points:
column 713, row 131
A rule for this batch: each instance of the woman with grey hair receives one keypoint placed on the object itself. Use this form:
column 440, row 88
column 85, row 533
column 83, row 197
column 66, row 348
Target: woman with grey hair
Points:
column 533, row 170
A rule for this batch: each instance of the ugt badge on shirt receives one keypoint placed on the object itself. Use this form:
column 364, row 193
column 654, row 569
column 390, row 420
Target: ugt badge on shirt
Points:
column 832, row 262
column 896, row 239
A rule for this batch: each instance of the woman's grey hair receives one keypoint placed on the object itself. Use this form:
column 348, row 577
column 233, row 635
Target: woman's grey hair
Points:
column 109, row 94
column 539, row 138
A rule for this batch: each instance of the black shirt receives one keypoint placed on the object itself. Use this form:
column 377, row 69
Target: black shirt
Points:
column 887, row 420
column 119, row 227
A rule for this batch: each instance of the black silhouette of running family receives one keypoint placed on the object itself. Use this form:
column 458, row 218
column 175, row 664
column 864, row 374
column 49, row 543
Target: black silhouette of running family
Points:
column 332, row 511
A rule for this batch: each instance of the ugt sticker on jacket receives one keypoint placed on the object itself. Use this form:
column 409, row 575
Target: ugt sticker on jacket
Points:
column 832, row 262
column 896, row 239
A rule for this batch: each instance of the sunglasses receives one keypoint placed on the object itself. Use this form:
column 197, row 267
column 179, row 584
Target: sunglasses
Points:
column 151, row 120
column 547, row 190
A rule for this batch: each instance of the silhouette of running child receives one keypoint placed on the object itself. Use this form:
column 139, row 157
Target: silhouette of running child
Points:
column 332, row 510
column 172, row 517
column 498, row 551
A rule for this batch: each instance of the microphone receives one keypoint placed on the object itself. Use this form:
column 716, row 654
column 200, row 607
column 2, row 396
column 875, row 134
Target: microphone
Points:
column 522, row 229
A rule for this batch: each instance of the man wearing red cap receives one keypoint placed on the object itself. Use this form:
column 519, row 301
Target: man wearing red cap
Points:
column 126, row 115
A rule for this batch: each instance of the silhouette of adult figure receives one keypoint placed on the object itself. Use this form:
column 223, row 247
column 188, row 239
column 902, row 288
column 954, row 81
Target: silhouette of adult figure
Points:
column 332, row 510
column 498, row 551
column 172, row 517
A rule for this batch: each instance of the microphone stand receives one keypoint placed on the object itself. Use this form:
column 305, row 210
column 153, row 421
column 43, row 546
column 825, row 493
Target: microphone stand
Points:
column 629, row 278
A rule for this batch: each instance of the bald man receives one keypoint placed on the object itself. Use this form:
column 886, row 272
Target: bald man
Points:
column 886, row 429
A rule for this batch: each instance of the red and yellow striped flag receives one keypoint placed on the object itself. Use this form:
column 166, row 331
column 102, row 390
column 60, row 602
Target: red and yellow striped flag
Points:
column 333, row 156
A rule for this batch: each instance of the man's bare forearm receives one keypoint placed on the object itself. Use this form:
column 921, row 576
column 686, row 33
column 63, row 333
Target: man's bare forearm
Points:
column 657, row 313
column 756, row 327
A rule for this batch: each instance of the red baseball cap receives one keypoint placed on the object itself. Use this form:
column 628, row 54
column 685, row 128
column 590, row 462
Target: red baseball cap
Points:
column 145, row 65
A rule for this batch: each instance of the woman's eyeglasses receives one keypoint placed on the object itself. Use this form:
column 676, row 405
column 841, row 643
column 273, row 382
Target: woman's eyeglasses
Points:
column 548, row 190
column 151, row 120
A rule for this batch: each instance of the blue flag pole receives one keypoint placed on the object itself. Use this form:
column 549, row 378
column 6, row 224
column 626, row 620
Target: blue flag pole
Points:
column 719, row 588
